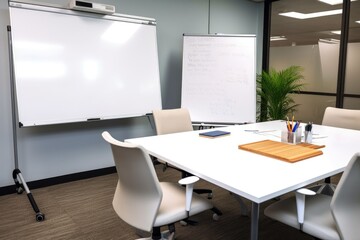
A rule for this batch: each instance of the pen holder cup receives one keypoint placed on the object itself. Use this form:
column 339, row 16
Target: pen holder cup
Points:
column 291, row 137
column 308, row 136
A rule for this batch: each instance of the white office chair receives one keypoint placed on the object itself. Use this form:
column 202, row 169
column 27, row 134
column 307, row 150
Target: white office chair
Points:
column 174, row 121
column 343, row 118
column 144, row 202
column 323, row 216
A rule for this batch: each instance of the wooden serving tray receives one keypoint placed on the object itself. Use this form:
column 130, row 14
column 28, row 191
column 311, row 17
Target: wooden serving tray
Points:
column 282, row 151
column 309, row 145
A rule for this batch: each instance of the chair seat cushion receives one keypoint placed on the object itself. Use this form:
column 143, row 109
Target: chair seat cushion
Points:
column 318, row 220
column 172, row 208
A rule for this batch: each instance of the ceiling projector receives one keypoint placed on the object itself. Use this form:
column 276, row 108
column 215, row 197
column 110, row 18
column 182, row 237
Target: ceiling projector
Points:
column 91, row 7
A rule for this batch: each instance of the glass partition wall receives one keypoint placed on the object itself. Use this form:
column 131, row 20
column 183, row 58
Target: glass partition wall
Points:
column 352, row 73
column 307, row 33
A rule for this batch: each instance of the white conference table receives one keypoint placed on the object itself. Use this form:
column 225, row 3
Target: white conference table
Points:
column 252, row 176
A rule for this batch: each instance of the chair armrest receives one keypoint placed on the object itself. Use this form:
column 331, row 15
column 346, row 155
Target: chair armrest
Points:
column 306, row 191
column 189, row 182
column 300, row 203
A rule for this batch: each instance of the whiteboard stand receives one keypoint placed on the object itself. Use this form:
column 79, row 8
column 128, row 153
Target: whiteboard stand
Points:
column 20, row 183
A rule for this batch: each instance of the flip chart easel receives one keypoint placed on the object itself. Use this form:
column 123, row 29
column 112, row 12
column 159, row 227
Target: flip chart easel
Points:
column 219, row 78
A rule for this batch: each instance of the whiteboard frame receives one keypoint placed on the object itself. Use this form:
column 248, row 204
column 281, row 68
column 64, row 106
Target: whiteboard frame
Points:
column 195, row 111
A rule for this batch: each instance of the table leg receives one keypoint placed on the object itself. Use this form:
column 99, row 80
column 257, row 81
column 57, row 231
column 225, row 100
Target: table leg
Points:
column 243, row 208
column 255, row 207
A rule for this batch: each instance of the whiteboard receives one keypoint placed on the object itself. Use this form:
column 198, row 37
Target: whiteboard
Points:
column 219, row 78
column 72, row 66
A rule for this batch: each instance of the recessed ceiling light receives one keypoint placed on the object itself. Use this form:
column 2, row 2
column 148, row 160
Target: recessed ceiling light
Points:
column 338, row 32
column 334, row 2
column 329, row 40
column 311, row 15
column 277, row 38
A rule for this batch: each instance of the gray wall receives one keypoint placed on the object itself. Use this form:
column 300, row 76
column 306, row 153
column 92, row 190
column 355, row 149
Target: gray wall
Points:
column 49, row 151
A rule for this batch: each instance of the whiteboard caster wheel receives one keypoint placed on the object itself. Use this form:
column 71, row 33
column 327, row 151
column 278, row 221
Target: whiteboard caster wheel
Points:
column 183, row 223
column 40, row 217
column 19, row 190
column 216, row 217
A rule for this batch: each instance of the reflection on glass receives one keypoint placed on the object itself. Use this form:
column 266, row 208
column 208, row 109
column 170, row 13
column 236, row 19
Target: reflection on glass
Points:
column 352, row 80
column 312, row 107
column 352, row 103
column 311, row 44
column 299, row 15
column 329, row 58
column 334, row 2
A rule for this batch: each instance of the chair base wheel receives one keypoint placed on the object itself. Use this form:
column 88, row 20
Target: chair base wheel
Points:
column 40, row 217
column 19, row 190
column 183, row 223
column 186, row 222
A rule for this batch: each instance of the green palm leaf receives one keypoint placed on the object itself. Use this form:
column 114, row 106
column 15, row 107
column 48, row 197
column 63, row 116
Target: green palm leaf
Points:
column 274, row 88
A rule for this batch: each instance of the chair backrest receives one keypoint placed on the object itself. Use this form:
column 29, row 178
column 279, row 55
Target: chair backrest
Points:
column 344, row 118
column 138, row 193
column 345, row 204
column 172, row 121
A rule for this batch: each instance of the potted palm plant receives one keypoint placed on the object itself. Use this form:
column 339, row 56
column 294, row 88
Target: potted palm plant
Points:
column 274, row 89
